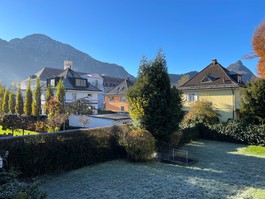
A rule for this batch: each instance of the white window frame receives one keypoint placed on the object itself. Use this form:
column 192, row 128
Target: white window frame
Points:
column 192, row 97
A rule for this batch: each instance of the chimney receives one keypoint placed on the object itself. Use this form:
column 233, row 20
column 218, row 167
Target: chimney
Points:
column 68, row 64
column 214, row 61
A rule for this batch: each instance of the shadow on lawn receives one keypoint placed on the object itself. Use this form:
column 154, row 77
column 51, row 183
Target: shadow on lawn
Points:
column 217, row 165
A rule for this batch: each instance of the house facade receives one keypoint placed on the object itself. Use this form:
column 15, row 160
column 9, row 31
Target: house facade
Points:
column 217, row 85
column 115, row 99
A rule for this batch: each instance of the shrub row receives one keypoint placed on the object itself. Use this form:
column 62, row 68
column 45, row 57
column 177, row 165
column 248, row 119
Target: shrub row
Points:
column 235, row 131
column 55, row 152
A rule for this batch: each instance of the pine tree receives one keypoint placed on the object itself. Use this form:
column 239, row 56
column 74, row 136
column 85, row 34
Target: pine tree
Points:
column 60, row 94
column 155, row 109
column 36, row 105
column 28, row 101
column 11, row 102
column 19, row 102
column 5, row 102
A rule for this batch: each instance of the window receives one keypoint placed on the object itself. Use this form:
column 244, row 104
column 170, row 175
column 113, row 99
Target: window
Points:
column 110, row 99
column 80, row 82
column 122, row 109
column 52, row 82
column 122, row 98
column 191, row 97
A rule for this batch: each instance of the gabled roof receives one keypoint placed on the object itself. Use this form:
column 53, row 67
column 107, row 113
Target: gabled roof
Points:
column 214, row 76
column 114, row 80
column 121, row 88
column 46, row 73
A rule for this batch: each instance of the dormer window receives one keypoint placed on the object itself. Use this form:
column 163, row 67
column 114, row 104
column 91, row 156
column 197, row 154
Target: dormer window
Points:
column 207, row 79
column 52, row 82
column 239, row 79
column 80, row 82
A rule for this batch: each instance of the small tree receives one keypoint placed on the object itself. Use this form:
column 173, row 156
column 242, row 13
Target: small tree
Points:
column 202, row 112
column 36, row 105
column 28, row 101
column 11, row 102
column 252, row 102
column 60, row 94
column 5, row 102
column 19, row 102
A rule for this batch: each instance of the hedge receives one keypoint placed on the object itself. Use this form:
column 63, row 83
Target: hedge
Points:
column 235, row 131
column 55, row 152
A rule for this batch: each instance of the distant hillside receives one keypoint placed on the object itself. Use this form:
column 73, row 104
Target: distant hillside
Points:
column 20, row 58
column 238, row 67
column 174, row 78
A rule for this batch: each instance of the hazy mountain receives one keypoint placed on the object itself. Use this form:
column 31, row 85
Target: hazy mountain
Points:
column 20, row 58
column 174, row 78
column 238, row 67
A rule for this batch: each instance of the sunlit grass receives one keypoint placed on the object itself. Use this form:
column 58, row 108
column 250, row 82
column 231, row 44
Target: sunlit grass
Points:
column 257, row 151
column 18, row 132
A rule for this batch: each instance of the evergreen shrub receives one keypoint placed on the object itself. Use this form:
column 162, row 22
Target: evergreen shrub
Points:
column 139, row 145
column 54, row 152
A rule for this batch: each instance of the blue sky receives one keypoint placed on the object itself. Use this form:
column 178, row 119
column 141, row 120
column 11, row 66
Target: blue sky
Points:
column 190, row 32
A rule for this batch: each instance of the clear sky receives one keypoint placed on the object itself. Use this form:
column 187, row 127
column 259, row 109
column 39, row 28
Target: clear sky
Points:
column 190, row 32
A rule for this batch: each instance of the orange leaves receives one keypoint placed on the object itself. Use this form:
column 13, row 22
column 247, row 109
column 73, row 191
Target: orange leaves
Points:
column 258, row 45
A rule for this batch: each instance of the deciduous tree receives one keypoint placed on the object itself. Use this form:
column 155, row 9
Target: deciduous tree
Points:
column 258, row 45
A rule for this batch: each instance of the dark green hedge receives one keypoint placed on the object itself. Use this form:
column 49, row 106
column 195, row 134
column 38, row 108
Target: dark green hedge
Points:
column 55, row 152
column 235, row 131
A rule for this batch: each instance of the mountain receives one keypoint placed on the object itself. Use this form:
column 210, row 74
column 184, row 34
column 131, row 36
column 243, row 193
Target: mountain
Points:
column 20, row 58
column 238, row 67
column 174, row 78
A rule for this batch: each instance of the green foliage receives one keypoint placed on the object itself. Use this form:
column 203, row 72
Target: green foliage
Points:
column 79, row 107
column 202, row 112
column 12, row 188
column 11, row 102
column 235, row 131
column 19, row 102
column 28, row 101
column 36, row 105
column 139, row 145
column 5, row 102
column 151, row 99
column 48, row 97
column 60, row 94
column 2, row 92
column 56, row 152
column 252, row 103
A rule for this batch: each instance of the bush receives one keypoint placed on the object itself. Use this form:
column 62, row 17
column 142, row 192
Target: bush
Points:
column 55, row 152
column 235, row 131
column 139, row 145
column 11, row 187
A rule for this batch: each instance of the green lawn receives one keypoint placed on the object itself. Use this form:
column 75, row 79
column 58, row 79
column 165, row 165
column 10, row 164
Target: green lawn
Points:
column 223, row 170
column 17, row 133
column 257, row 151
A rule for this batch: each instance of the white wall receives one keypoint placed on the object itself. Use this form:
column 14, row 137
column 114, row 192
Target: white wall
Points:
column 94, row 122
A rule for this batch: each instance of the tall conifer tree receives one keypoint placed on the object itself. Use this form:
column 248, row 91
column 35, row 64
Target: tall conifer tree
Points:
column 60, row 94
column 36, row 105
column 5, row 102
column 19, row 102
column 28, row 101
column 11, row 102
column 2, row 92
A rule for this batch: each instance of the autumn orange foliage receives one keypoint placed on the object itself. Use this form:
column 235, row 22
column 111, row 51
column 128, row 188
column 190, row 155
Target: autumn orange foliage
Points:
column 258, row 45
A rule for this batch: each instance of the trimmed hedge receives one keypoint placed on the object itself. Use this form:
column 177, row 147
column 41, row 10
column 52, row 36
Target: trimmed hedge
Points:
column 54, row 152
column 235, row 131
